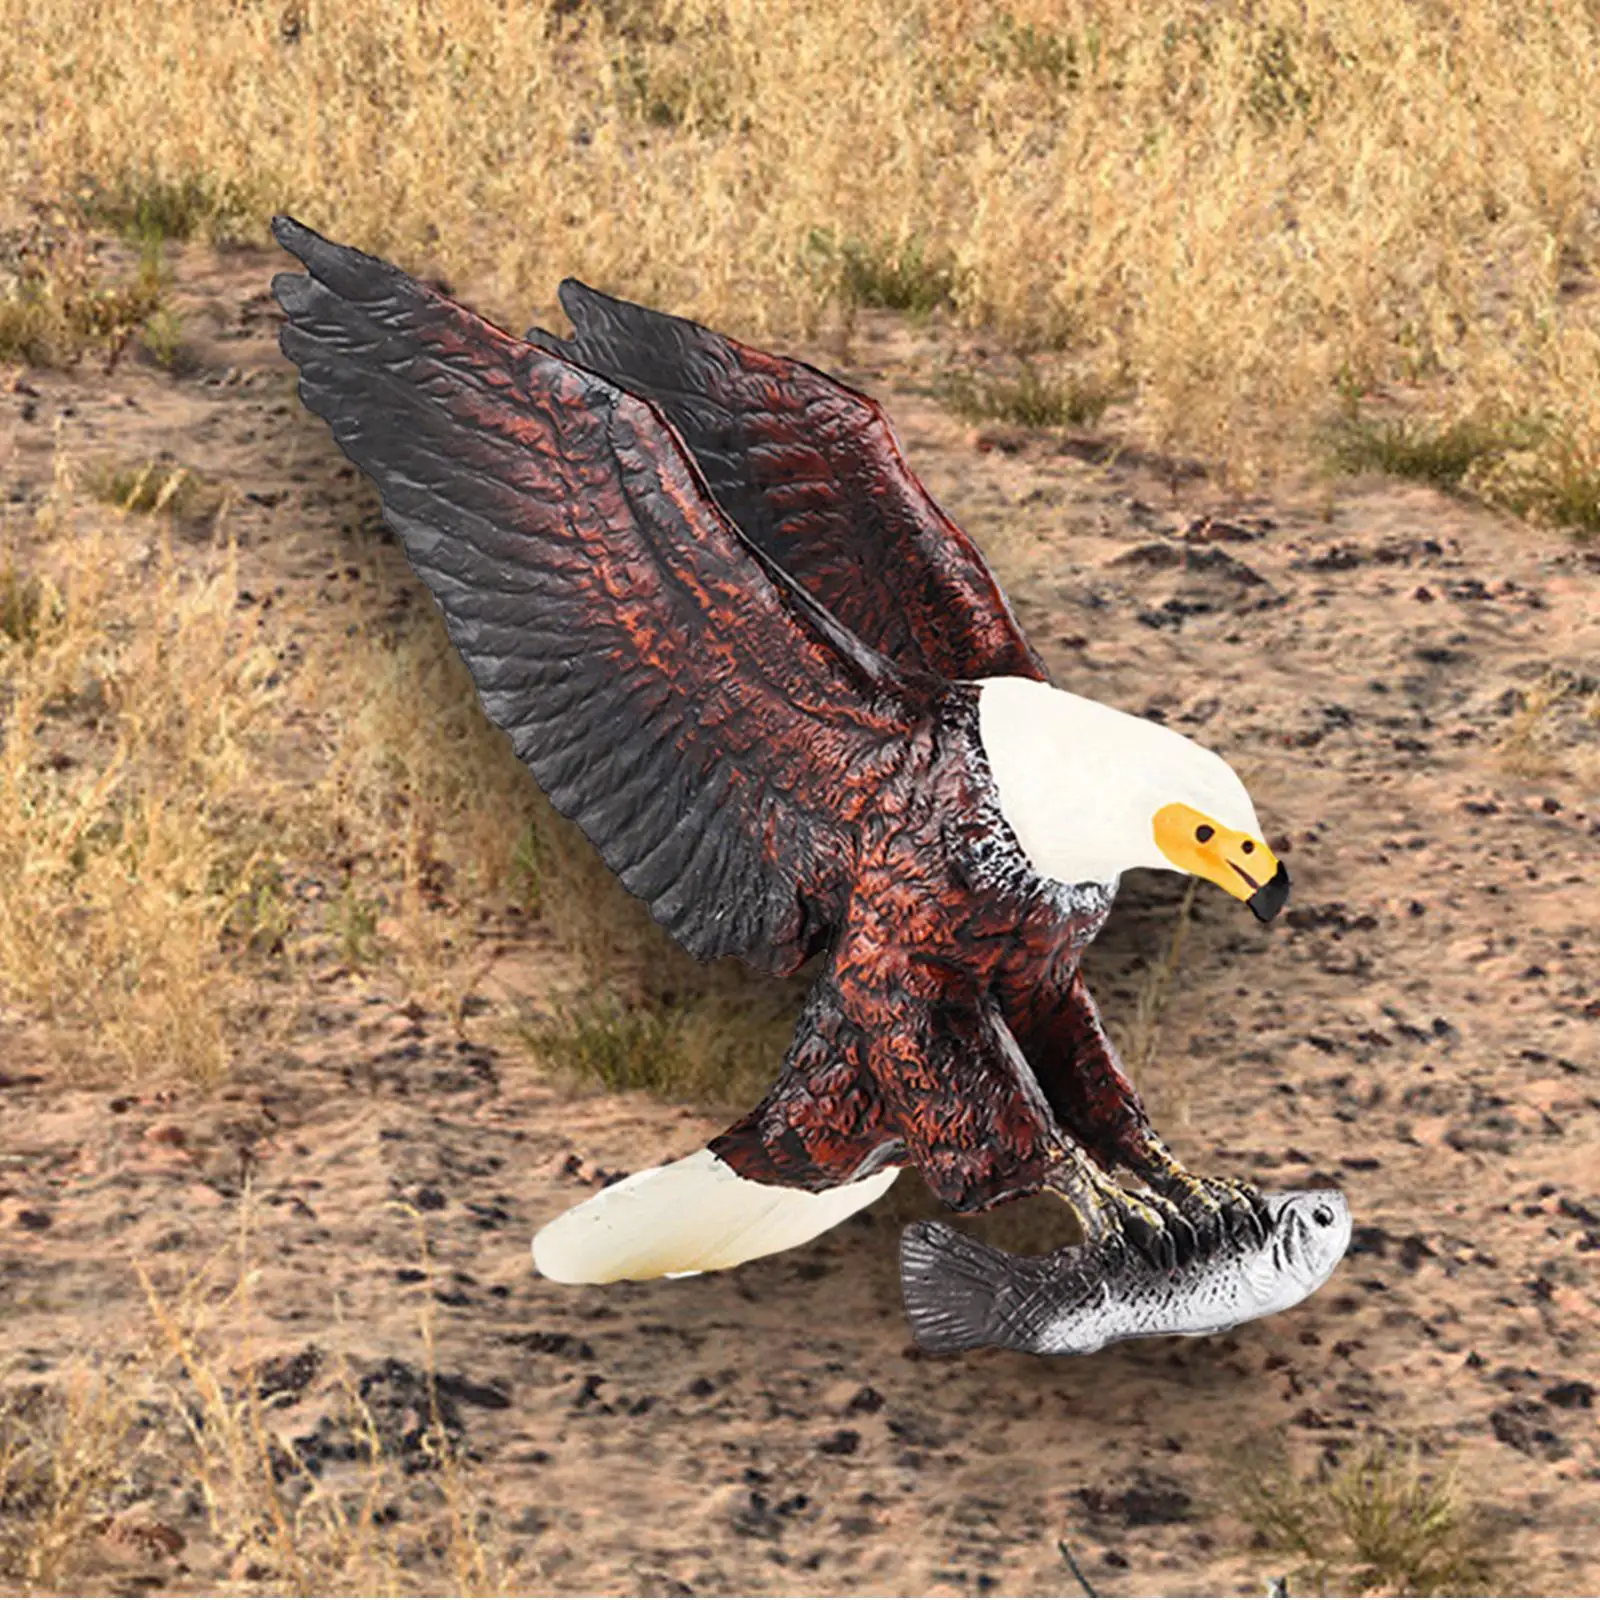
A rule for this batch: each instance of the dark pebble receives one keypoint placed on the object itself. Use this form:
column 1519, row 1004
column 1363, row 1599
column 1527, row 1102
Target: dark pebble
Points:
column 1575, row 1395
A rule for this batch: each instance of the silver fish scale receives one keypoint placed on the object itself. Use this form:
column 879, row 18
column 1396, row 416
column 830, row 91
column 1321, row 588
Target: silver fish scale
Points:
column 1140, row 1299
column 961, row 1293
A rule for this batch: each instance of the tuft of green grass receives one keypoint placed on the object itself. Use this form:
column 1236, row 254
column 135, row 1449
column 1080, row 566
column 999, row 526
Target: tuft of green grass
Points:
column 260, row 916
column 1031, row 400
column 1030, row 50
column 57, row 304
column 1554, row 479
column 1279, row 89
column 598, row 1038
column 908, row 276
column 1530, row 465
column 719, row 1048
column 1376, row 1523
column 691, row 90
column 1440, row 453
column 353, row 921
column 148, row 209
column 158, row 487
column 25, row 605
column 161, row 336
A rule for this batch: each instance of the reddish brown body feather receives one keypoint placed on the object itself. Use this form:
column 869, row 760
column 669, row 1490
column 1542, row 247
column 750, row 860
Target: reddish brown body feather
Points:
column 1000, row 1053
column 746, row 705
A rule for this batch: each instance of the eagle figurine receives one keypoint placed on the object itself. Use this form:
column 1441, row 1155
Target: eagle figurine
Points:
column 736, row 641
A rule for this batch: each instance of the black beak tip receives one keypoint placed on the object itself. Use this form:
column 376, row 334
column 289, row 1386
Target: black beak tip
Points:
column 1270, row 898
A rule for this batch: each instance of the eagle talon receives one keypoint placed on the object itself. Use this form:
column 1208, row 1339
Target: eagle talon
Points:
column 1162, row 1230
column 1225, row 1206
column 1143, row 1229
column 1216, row 1209
column 1187, row 1240
column 1151, row 1222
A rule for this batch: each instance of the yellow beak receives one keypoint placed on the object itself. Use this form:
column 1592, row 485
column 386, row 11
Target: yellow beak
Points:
column 1245, row 867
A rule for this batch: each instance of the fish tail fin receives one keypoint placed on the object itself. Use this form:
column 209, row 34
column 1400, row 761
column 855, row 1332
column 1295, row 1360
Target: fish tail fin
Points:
column 950, row 1282
column 693, row 1215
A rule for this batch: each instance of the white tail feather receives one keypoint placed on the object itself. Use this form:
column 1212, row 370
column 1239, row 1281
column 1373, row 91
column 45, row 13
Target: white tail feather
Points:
column 695, row 1215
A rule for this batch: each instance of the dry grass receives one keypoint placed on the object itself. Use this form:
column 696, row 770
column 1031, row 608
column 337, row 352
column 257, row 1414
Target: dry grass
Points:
column 63, row 1467
column 1140, row 1037
column 420, row 799
column 59, row 301
column 133, row 772
column 1555, row 729
column 297, row 1524
column 201, row 806
column 1378, row 1523
column 1248, row 210
column 107, row 1465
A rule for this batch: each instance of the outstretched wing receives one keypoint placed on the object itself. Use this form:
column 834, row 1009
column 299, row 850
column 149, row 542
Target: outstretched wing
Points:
column 711, row 729
column 811, row 472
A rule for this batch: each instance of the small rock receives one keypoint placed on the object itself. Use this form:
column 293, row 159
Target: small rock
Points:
column 288, row 1377
column 1008, row 441
column 1520, row 1424
column 144, row 1536
column 1574, row 1395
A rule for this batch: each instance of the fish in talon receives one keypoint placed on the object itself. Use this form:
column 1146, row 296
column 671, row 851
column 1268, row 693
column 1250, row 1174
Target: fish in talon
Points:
column 962, row 1294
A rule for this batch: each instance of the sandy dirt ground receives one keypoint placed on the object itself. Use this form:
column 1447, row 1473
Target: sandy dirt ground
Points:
column 1420, row 1028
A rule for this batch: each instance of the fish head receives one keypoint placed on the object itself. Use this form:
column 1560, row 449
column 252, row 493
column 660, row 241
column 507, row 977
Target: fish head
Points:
column 1310, row 1233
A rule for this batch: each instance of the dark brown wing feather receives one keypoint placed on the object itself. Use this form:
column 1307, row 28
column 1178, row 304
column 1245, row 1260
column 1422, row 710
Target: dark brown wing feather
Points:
column 812, row 473
column 715, row 733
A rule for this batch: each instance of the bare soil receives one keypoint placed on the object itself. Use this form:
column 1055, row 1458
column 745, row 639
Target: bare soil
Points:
column 1421, row 1028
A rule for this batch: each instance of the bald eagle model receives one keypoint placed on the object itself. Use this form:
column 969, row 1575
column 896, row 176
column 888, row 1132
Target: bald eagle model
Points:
column 735, row 640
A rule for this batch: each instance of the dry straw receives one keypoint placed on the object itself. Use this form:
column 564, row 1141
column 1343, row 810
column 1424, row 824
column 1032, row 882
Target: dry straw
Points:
column 1234, row 212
